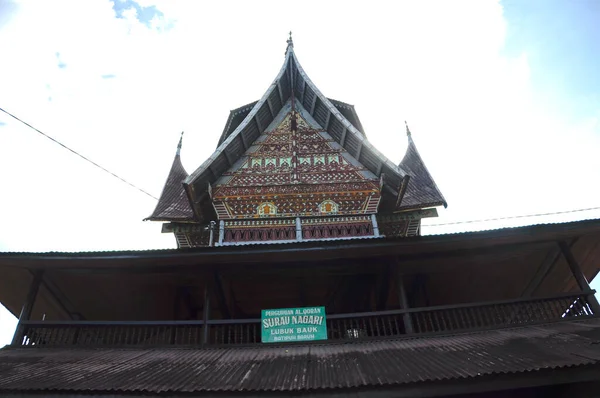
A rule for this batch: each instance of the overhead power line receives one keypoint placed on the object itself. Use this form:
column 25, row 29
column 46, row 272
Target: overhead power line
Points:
column 78, row 154
column 513, row 217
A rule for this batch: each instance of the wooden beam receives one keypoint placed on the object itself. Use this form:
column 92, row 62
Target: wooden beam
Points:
column 383, row 287
column 379, row 167
column 584, row 285
column 343, row 139
column 25, row 315
column 543, row 270
column 205, row 314
column 280, row 93
column 258, row 124
column 303, row 91
column 313, row 105
column 270, row 106
column 359, row 150
column 574, row 265
column 403, row 301
column 61, row 300
column 326, row 127
column 227, row 156
column 244, row 143
column 221, row 296
column 188, row 301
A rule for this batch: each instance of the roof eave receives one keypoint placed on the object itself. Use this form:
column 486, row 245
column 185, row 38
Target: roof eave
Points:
column 192, row 177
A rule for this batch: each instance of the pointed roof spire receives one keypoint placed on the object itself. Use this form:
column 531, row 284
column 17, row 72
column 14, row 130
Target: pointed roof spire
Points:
column 421, row 190
column 173, row 204
column 290, row 43
column 179, row 145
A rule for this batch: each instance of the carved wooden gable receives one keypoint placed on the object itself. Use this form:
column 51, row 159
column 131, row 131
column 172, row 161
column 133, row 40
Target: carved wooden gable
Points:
column 295, row 170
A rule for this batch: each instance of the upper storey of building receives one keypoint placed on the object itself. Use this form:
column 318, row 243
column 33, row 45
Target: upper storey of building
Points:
column 292, row 162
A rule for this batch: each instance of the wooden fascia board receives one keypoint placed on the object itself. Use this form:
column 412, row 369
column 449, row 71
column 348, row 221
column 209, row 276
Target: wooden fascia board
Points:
column 248, row 119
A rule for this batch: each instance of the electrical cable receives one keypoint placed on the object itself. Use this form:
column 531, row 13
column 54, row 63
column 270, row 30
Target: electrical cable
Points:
column 78, row 154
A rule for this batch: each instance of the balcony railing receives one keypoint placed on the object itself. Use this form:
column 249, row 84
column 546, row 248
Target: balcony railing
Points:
column 442, row 319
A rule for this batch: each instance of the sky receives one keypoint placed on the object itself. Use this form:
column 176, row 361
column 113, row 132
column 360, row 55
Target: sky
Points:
column 502, row 99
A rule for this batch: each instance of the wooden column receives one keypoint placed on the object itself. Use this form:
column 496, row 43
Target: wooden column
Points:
column 298, row 229
column 584, row 286
column 28, row 306
column 404, row 304
column 205, row 311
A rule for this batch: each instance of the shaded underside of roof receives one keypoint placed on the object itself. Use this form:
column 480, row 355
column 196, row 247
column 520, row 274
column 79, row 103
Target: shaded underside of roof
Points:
column 421, row 191
column 173, row 204
column 236, row 117
column 429, row 244
column 296, row 368
column 503, row 262
column 349, row 113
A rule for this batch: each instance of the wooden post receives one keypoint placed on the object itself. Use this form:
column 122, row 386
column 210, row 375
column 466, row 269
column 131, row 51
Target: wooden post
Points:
column 298, row 229
column 28, row 306
column 404, row 305
column 584, row 286
column 221, row 231
column 375, row 226
column 206, row 311
column 211, row 238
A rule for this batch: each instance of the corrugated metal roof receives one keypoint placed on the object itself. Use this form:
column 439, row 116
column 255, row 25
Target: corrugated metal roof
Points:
column 421, row 191
column 302, row 367
column 173, row 204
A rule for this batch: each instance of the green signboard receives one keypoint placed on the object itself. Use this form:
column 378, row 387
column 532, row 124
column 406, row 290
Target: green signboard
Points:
column 293, row 324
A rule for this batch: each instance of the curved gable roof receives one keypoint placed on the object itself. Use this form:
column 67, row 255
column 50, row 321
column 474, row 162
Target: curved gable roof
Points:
column 291, row 79
column 173, row 204
column 421, row 190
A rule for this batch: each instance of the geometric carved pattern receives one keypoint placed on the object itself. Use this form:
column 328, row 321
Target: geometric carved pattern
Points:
column 291, row 171
column 338, row 227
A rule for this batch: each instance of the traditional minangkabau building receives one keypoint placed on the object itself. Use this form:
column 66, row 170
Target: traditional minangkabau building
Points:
column 301, row 269
column 295, row 166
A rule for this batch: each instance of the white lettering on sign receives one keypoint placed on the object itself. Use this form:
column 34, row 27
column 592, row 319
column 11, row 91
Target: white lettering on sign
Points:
column 294, row 320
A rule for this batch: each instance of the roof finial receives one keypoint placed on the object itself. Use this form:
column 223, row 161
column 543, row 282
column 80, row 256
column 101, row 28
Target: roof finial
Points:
column 179, row 145
column 407, row 129
column 290, row 42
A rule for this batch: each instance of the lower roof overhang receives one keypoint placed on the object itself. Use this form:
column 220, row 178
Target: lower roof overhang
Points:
column 504, row 263
column 405, row 248
column 542, row 357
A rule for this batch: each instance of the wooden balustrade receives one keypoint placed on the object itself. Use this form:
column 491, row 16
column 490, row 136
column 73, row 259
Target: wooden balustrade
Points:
column 443, row 319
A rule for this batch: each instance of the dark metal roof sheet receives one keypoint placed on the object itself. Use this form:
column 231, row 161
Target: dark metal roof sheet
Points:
column 349, row 113
column 173, row 204
column 236, row 117
column 422, row 191
column 302, row 367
